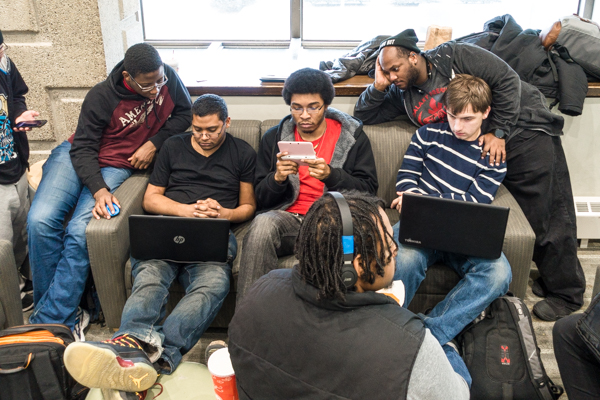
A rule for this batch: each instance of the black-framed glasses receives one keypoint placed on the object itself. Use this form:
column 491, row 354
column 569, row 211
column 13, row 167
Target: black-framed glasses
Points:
column 310, row 110
column 3, row 47
column 157, row 85
column 211, row 135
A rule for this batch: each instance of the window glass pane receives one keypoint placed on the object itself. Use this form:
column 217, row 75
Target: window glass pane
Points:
column 364, row 19
column 216, row 20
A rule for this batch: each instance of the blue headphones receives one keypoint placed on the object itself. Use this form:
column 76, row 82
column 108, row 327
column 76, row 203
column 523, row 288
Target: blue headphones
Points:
column 349, row 275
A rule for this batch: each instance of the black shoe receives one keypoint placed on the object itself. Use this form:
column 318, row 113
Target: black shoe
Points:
column 553, row 309
column 26, row 301
column 28, row 288
column 539, row 288
column 119, row 363
column 212, row 347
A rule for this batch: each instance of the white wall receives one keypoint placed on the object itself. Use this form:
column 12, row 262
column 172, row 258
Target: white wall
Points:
column 582, row 148
column 581, row 141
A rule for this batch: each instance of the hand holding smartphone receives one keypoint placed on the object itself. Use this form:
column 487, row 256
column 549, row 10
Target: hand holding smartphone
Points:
column 297, row 151
column 31, row 124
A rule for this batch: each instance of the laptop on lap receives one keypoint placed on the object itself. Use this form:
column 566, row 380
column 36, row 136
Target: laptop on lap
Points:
column 178, row 239
column 455, row 226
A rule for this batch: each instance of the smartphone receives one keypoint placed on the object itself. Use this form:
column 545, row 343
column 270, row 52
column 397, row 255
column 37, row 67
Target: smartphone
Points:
column 297, row 151
column 31, row 124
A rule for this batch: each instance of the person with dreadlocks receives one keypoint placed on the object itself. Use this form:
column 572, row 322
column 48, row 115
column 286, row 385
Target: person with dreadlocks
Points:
column 300, row 333
column 124, row 121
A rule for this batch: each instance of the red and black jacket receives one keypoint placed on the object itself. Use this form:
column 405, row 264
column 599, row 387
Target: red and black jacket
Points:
column 114, row 122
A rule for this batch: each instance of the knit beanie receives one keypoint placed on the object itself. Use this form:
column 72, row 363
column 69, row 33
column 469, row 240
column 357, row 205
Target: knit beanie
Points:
column 407, row 39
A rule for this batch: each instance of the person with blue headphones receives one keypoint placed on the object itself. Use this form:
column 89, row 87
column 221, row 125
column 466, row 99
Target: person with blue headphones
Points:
column 321, row 331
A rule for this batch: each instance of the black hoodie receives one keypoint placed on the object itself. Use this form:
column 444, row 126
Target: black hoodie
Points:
column 114, row 122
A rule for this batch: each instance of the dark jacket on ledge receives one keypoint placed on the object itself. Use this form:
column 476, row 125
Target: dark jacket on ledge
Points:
column 352, row 164
column 552, row 72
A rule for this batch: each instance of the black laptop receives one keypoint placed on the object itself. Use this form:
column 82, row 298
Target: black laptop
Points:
column 178, row 239
column 455, row 226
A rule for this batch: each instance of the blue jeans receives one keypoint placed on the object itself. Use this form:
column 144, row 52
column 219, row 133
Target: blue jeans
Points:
column 482, row 281
column 206, row 285
column 58, row 256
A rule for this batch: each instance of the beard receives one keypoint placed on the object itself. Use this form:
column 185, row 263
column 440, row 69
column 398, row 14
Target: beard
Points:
column 413, row 77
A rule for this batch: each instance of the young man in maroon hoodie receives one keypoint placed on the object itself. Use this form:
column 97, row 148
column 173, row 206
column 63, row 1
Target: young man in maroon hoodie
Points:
column 124, row 121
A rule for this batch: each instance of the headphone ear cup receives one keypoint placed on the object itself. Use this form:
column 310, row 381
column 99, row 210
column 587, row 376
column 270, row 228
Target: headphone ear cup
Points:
column 349, row 276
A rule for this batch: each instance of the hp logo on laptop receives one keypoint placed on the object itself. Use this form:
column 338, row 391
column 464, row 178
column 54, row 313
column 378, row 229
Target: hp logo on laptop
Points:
column 179, row 239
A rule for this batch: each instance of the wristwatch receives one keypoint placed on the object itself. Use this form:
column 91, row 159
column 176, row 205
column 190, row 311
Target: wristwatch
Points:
column 500, row 133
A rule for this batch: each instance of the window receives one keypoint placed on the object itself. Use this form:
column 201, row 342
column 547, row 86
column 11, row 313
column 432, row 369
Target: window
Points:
column 331, row 23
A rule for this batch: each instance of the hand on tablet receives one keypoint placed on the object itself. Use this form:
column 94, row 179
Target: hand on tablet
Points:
column 284, row 168
column 318, row 168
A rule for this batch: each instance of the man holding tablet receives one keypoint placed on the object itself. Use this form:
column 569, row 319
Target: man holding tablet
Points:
column 284, row 190
column 203, row 174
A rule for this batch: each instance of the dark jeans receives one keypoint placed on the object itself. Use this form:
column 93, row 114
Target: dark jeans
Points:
column 579, row 369
column 270, row 236
column 538, row 178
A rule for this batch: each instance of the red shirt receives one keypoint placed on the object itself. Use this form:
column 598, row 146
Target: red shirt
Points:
column 311, row 188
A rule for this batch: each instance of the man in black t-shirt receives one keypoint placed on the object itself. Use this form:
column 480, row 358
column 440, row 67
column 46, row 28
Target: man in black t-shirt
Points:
column 204, row 174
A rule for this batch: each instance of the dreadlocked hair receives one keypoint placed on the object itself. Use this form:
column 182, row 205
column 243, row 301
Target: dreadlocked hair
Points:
column 319, row 243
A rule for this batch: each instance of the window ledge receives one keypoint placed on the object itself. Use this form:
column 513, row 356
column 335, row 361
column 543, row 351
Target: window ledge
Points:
column 254, row 87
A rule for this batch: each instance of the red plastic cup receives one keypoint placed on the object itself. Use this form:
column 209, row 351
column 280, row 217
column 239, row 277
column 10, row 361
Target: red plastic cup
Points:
column 223, row 376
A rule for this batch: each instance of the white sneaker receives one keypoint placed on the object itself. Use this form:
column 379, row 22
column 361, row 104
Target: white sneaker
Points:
column 82, row 320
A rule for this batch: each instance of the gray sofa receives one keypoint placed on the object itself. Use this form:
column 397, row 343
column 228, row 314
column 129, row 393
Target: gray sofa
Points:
column 108, row 241
column 10, row 298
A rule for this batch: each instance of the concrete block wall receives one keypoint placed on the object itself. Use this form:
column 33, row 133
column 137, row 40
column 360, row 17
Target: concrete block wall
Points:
column 58, row 47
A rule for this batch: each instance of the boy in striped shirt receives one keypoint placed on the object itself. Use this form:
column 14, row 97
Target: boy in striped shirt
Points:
column 446, row 160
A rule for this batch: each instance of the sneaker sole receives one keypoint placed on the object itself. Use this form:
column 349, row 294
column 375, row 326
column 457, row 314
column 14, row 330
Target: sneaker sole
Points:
column 97, row 367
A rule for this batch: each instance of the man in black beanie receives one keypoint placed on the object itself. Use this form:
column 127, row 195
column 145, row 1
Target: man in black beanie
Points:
column 520, row 130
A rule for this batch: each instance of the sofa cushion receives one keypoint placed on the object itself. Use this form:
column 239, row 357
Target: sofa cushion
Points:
column 248, row 130
column 389, row 142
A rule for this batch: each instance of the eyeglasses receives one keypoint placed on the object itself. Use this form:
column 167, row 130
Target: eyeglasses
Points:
column 310, row 110
column 157, row 85
column 210, row 135
column 3, row 47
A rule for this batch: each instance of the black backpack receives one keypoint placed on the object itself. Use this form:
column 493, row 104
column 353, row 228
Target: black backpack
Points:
column 31, row 364
column 501, row 353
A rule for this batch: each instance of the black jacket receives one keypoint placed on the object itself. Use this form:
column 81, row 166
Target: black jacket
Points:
column 111, row 116
column 352, row 164
column 552, row 72
column 359, row 61
column 286, row 344
column 13, row 89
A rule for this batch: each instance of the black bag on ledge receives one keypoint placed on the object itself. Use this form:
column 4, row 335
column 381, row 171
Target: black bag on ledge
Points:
column 502, row 355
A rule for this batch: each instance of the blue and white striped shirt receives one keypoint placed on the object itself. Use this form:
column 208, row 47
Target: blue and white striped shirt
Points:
column 438, row 164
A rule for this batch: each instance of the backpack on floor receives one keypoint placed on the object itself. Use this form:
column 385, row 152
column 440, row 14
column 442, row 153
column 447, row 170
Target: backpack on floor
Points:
column 501, row 353
column 31, row 363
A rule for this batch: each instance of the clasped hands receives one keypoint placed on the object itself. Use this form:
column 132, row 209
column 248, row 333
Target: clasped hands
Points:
column 208, row 208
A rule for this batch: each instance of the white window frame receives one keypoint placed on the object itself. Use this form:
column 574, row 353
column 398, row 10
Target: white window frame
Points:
column 585, row 8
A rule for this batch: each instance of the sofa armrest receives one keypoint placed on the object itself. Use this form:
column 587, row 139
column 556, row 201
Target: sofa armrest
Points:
column 108, row 247
column 518, row 242
column 10, row 300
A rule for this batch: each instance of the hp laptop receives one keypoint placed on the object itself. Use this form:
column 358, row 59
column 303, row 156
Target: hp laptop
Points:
column 178, row 239
column 454, row 226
